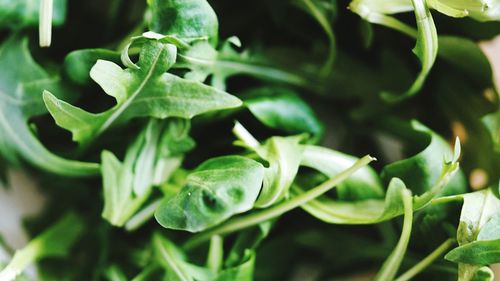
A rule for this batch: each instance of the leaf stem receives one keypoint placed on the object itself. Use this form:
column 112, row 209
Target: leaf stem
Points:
column 45, row 23
column 279, row 209
column 426, row 261
column 393, row 262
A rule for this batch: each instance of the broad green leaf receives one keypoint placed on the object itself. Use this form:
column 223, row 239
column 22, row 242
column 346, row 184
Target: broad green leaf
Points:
column 218, row 189
column 282, row 109
column 481, row 10
column 20, row 99
column 22, row 13
column 284, row 156
column 187, row 19
column 55, row 242
column 422, row 170
column 77, row 64
column 147, row 91
column 149, row 161
column 391, row 265
column 478, row 252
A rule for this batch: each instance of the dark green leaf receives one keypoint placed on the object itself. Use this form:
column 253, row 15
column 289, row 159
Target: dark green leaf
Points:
column 187, row 19
column 20, row 99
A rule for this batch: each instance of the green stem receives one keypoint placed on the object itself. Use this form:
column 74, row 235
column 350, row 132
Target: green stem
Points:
column 279, row 209
column 426, row 261
column 215, row 253
column 393, row 262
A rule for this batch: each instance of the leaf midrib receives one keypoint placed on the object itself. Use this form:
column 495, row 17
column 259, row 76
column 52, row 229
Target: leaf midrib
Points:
column 129, row 101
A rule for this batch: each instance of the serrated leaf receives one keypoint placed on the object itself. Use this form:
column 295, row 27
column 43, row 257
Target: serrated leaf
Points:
column 147, row 91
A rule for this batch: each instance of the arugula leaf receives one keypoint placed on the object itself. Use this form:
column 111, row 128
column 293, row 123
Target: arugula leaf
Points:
column 189, row 20
column 218, row 189
column 477, row 233
column 282, row 109
column 56, row 241
column 149, row 161
column 77, row 64
column 147, row 91
column 24, row 13
column 284, row 156
column 20, row 99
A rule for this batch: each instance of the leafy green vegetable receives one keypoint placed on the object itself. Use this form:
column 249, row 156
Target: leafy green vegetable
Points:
column 218, row 189
column 189, row 20
column 147, row 91
column 150, row 161
column 308, row 85
column 20, row 99
column 282, row 109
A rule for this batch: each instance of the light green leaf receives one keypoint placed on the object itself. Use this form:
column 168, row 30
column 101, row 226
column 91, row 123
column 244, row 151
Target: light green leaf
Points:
column 147, row 91
column 218, row 189
column 149, row 161
column 187, row 19
column 20, row 99
column 55, row 242
column 284, row 156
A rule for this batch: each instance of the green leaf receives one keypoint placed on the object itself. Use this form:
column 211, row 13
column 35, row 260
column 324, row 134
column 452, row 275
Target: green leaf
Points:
column 480, row 211
column 218, row 189
column 149, row 161
column 391, row 265
column 20, row 99
column 147, row 91
column 422, row 170
column 282, row 109
column 187, row 19
column 478, row 252
column 364, row 184
column 55, row 242
column 24, row 13
column 284, row 156
column 77, row 64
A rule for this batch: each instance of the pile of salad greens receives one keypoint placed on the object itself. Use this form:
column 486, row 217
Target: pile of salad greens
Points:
column 236, row 140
